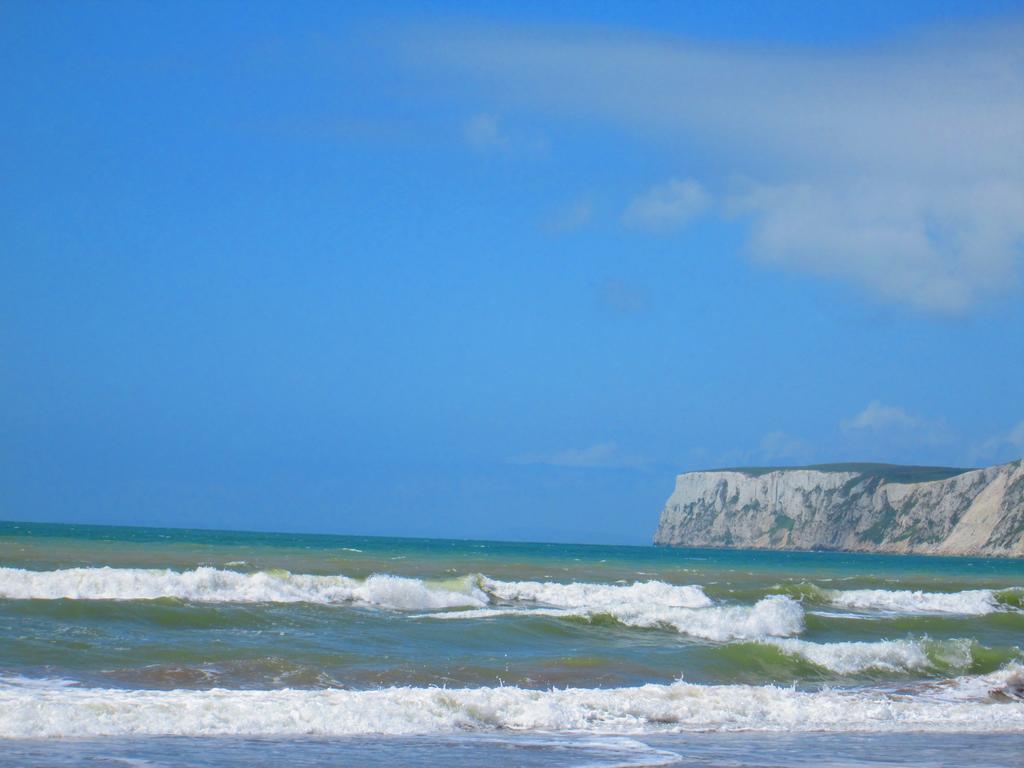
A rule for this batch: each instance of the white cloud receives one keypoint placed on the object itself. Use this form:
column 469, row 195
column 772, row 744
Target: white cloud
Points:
column 605, row 455
column 890, row 429
column 878, row 416
column 483, row 131
column 667, row 206
column 939, row 249
column 897, row 168
column 1005, row 447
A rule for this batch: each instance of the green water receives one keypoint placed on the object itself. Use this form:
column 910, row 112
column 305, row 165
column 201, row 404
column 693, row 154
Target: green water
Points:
column 155, row 633
column 171, row 642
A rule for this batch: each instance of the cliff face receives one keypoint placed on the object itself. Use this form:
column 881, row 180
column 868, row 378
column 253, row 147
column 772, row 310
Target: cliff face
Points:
column 866, row 508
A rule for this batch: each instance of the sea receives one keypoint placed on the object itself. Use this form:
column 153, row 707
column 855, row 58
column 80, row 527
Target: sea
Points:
column 160, row 647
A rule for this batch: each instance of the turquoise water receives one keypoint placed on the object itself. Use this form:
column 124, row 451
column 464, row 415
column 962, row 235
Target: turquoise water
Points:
column 115, row 642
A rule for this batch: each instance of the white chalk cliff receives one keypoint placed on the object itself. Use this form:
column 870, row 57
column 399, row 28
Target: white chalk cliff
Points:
column 854, row 507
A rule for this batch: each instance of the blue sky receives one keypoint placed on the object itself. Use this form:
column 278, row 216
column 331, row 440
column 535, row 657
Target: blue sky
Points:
column 499, row 272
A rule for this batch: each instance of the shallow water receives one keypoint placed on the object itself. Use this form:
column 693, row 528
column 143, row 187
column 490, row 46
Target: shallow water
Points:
column 529, row 750
column 120, row 644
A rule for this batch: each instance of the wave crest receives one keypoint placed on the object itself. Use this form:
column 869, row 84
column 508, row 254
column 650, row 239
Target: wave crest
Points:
column 963, row 704
column 971, row 602
column 214, row 585
column 597, row 596
column 651, row 604
column 899, row 656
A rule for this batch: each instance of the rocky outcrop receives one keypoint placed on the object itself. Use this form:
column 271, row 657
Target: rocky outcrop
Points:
column 854, row 507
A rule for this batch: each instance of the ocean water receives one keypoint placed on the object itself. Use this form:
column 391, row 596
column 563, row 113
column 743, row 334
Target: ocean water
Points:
column 164, row 647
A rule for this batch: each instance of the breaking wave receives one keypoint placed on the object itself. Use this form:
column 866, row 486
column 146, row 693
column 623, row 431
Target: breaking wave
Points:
column 971, row 602
column 897, row 656
column 989, row 703
column 652, row 604
column 686, row 609
column 597, row 596
column 213, row 585
column 774, row 616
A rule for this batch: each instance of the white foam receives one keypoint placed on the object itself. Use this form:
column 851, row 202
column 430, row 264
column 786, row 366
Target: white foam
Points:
column 597, row 596
column 773, row 616
column 847, row 658
column 973, row 602
column 643, row 604
column 961, row 705
column 214, row 585
column 398, row 592
column 653, row 604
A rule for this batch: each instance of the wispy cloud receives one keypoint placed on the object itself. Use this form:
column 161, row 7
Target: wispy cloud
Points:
column 624, row 297
column 877, row 416
column 781, row 446
column 483, row 131
column 935, row 248
column 572, row 217
column 896, row 168
column 774, row 448
column 606, row 455
column 1003, row 447
column 882, row 429
column 667, row 206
